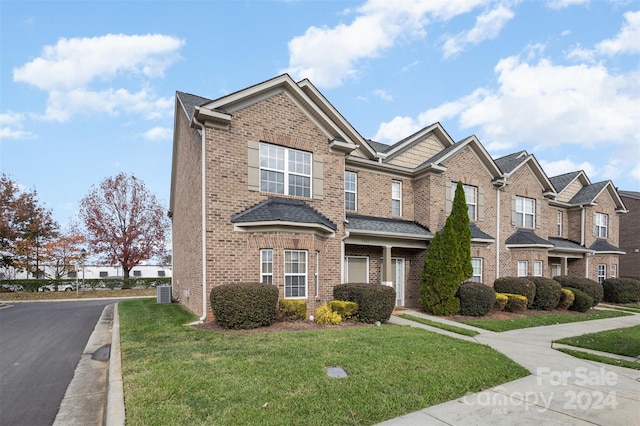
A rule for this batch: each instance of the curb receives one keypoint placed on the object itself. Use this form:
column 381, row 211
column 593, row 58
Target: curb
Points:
column 114, row 412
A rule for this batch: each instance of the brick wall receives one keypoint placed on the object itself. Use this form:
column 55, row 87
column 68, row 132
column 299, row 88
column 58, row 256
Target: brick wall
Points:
column 630, row 238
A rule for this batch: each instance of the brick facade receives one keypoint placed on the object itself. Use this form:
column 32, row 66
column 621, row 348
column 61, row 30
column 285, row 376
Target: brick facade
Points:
column 630, row 235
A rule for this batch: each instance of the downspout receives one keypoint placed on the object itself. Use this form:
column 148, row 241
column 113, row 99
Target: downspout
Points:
column 582, row 240
column 497, row 233
column 342, row 253
column 204, row 219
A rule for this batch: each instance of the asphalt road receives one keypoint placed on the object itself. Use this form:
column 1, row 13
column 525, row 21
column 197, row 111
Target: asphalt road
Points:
column 40, row 346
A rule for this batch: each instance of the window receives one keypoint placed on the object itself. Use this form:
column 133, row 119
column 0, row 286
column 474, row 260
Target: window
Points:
column 614, row 270
column 537, row 268
column 161, row 274
column 396, row 198
column 556, row 270
column 356, row 269
column 471, row 197
column 523, row 268
column 295, row 273
column 600, row 226
column 316, row 274
column 70, row 274
column 559, row 224
column 602, row 272
column 350, row 190
column 137, row 273
column 266, row 266
column 525, row 212
column 104, row 274
column 285, row 171
column 476, row 262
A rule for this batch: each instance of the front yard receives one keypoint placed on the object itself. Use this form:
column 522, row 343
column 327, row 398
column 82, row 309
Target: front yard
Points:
column 177, row 374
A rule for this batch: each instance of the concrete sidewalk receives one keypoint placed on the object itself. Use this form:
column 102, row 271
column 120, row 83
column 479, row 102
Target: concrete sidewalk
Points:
column 562, row 390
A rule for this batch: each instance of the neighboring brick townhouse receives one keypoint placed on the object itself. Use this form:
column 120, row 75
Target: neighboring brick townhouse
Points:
column 272, row 184
column 630, row 235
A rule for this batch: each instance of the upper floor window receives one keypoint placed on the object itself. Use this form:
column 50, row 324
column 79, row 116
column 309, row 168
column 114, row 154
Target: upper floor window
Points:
column 285, row 171
column 396, row 198
column 525, row 212
column 350, row 190
column 559, row 224
column 471, row 197
column 601, row 224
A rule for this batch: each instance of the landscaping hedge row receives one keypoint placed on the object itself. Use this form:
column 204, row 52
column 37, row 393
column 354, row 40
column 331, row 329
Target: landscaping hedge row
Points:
column 621, row 290
column 590, row 287
column 375, row 301
column 244, row 305
column 476, row 299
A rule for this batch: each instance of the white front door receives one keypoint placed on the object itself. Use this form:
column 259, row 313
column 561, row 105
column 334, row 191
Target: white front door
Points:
column 397, row 265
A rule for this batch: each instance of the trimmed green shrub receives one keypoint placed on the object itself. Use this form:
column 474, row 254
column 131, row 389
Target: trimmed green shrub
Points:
column 501, row 302
column 375, row 301
column 516, row 302
column 548, row 293
column 516, row 285
column 476, row 299
column 621, row 290
column 292, row 310
column 592, row 288
column 344, row 308
column 326, row 316
column 244, row 305
column 582, row 303
column 566, row 299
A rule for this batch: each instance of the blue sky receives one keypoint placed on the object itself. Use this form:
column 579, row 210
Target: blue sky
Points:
column 87, row 88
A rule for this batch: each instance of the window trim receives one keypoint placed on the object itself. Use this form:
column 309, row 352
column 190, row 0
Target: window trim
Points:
column 613, row 270
column 354, row 191
column 601, row 228
column 537, row 268
column 316, row 274
column 296, row 274
column 474, row 275
column 602, row 272
column 396, row 183
column 264, row 262
column 559, row 217
column 473, row 205
column 524, row 263
column 522, row 214
column 287, row 173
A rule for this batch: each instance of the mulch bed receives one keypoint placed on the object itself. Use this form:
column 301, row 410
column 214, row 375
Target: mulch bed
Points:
column 282, row 326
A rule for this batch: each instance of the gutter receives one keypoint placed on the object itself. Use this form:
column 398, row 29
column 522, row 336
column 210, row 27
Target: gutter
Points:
column 204, row 218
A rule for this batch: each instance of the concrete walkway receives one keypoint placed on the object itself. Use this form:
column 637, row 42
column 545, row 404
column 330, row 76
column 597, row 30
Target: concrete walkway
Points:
column 562, row 390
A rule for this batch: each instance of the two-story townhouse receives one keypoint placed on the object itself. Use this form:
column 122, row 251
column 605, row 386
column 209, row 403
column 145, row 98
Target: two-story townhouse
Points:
column 272, row 184
column 629, row 234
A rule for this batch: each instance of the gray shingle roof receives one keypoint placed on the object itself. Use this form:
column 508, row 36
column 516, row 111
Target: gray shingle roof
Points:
column 588, row 193
column 562, row 243
column 378, row 146
column 527, row 237
column 511, row 161
column 190, row 102
column 560, row 182
column 280, row 209
column 630, row 194
column 601, row 245
column 476, row 233
column 388, row 226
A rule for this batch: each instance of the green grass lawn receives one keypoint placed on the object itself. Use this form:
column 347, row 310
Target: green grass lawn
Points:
column 621, row 341
column 175, row 374
column 451, row 328
column 602, row 359
column 540, row 320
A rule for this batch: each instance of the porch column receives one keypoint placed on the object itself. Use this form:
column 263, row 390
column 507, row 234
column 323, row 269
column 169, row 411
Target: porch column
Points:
column 563, row 267
column 387, row 273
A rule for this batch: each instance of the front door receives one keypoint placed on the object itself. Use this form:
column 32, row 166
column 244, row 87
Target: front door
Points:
column 397, row 266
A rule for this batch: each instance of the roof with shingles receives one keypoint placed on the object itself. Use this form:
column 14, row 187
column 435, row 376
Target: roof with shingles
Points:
column 630, row 194
column 190, row 102
column 386, row 225
column 526, row 237
column 601, row 245
column 476, row 233
column 378, row 146
column 560, row 182
column 563, row 243
column 284, row 210
column 511, row 161
column 589, row 193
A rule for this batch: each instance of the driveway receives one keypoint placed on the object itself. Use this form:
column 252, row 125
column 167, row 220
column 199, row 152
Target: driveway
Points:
column 40, row 346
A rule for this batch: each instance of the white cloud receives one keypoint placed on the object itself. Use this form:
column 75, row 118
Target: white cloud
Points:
column 559, row 167
column 383, row 94
column 328, row 56
column 11, row 126
column 488, row 26
column 562, row 4
column 158, row 133
column 627, row 40
column 396, row 129
column 69, row 69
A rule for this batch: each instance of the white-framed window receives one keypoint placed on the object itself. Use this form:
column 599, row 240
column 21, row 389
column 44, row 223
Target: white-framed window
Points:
column 396, row 198
column 525, row 212
column 559, row 224
column 316, row 274
column 523, row 268
column 350, row 190
column 295, row 274
column 470, row 196
column 476, row 263
column 602, row 222
column 285, row 170
column 266, row 266
column 537, row 268
column 614, row 270
column 602, row 272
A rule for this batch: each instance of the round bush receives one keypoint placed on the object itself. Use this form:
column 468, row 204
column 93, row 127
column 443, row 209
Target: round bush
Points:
column 476, row 299
column 244, row 305
column 375, row 301
column 516, row 285
column 621, row 290
column 516, row 303
column 344, row 308
column 591, row 287
column 548, row 293
column 566, row 299
column 501, row 302
column 582, row 303
column 291, row 310
column 326, row 316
